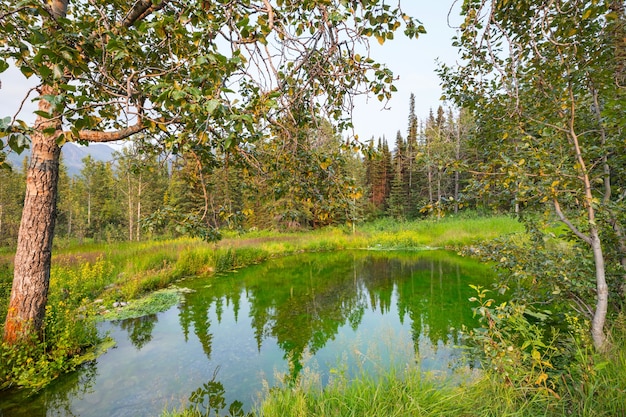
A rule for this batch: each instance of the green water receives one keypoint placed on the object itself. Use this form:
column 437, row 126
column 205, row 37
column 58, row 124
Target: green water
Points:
column 309, row 317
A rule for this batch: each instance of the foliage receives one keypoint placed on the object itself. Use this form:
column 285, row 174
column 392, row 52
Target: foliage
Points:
column 69, row 336
column 542, row 80
column 208, row 401
column 427, row 172
column 513, row 348
column 11, row 197
column 123, row 59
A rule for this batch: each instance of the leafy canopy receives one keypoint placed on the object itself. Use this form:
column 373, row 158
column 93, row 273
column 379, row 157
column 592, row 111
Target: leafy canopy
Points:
column 194, row 72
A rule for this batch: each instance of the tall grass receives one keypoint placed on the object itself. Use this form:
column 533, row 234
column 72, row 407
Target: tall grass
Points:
column 129, row 270
column 87, row 279
column 412, row 394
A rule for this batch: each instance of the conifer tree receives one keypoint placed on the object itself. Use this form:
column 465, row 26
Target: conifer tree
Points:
column 397, row 206
column 411, row 154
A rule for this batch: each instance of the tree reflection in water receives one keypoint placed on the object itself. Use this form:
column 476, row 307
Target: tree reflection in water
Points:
column 139, row 329
column 57, row 397
column 210, row 400
column 309, row 310
column 302, row 302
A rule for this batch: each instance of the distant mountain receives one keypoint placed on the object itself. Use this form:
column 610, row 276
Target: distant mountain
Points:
column 71, row 155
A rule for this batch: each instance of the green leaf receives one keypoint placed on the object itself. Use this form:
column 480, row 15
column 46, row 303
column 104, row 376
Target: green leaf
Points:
column 18, row 142
column 536, row 355
column 57, row 72
column 212, row 105
column 27, row 71
column 5, row 123
column 43, row 114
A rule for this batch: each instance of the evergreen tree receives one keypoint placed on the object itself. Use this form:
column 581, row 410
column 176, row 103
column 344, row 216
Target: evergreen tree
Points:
column 397, row 206
column 412, row 191
column 381, row 174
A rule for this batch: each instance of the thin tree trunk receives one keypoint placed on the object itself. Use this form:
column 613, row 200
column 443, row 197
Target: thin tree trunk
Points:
column 602, row 297
column 606, row 176
column 89, row 204
column 430, row 184
column 137, row 236
column 69, row 223
column 602, row 292
column 130, row 208
column 456, row 192
column 439, row 209
column 31, row 276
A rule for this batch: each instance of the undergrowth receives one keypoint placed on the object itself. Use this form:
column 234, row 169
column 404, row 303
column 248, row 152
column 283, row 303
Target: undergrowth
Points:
column 87, row 280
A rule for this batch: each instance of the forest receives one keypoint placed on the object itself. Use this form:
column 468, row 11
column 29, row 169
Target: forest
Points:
column 319, row 181
column 235, row 120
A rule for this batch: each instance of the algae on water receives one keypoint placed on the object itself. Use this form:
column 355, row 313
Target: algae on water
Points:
column 153, row 303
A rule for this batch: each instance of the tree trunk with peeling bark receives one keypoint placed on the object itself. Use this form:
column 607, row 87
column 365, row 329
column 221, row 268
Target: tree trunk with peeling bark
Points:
column 31, row 276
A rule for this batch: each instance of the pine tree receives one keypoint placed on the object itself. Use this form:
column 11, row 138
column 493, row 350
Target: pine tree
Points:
column 411, row 153
column 398, row 196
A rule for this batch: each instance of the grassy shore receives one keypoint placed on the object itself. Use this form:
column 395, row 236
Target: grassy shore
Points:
column 88, row 279
column 128, row 270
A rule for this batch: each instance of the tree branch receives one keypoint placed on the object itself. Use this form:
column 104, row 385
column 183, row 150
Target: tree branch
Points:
column 10, row 12
column 98, row 136
column 270, row 13
column 140, row 10
column 559, row 212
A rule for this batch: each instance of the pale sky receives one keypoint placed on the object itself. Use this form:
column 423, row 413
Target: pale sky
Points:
column 414, row 62
column 411, row 60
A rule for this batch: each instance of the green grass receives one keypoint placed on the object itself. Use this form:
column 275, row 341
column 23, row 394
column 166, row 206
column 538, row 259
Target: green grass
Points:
column 592, row 385
column 599, row 393
column 87, row 279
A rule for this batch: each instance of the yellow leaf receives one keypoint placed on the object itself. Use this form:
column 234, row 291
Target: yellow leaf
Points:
column 380, row 39
column 536, row 355
column 542, row 378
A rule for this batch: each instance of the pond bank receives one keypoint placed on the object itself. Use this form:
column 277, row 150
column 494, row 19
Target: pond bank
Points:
column 122, row 272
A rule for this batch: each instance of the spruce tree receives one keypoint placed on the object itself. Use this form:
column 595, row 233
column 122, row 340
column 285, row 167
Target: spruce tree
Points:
column 412, row 191
column 398, row 197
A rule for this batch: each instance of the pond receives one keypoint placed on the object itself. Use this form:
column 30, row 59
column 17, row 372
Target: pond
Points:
column 308, row 316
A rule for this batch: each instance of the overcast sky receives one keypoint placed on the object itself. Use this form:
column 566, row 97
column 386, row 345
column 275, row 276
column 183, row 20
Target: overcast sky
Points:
column 412, row 61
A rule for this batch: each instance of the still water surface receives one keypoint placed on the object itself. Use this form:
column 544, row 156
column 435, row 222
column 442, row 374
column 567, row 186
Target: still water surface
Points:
column 311, row 315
